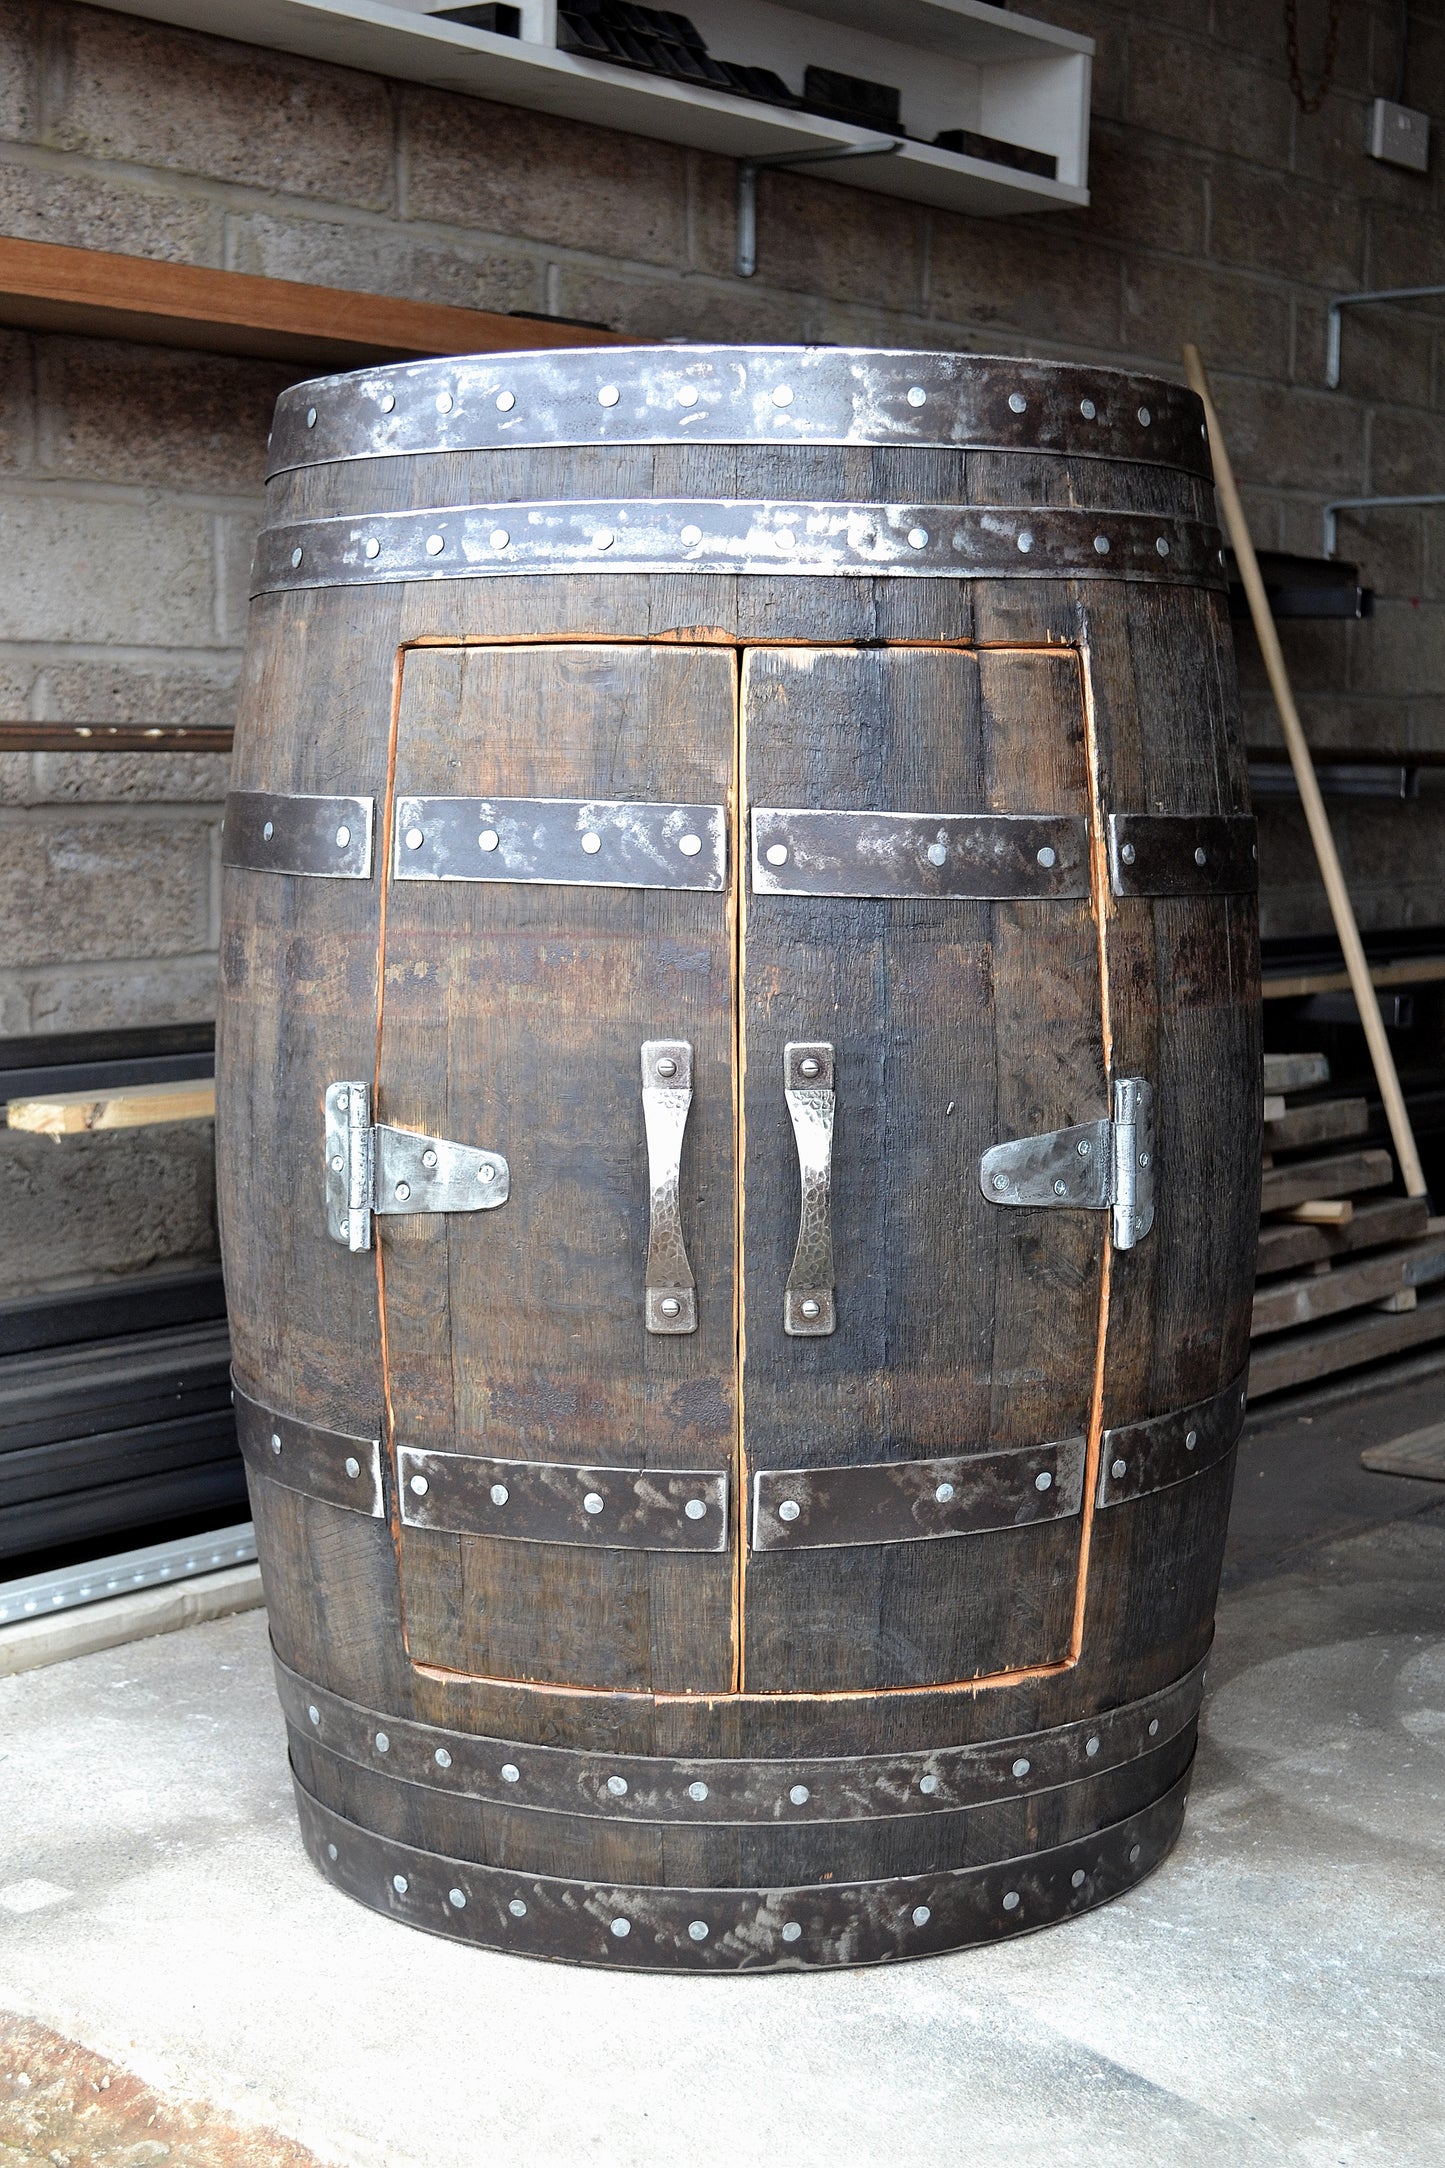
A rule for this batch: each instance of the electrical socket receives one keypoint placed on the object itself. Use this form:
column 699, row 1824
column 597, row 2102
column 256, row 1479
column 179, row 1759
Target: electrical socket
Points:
column 1399, row 135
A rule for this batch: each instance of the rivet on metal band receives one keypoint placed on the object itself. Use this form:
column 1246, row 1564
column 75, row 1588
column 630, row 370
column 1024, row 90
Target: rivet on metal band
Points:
column 649, row 1927
column 776, row 538
column 739, row 395
column 332, row 1465
column 1183, row 854
column 914, row 1501
column 697, row 1790
column 812, row 852
column 279, row 832
column 578, row 842
column 634, row 1509
column 1152, row 1455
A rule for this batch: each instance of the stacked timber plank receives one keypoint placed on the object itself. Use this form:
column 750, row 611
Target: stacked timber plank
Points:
column 1347, row 1272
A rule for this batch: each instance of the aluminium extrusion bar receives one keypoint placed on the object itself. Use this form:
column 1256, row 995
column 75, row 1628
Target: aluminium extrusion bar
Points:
column 180, row 1559
column 750, row 168
column 1340, row 302
column 1361, row 504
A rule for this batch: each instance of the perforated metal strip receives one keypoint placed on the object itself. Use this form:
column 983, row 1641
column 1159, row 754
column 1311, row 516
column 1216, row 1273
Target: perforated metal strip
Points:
column 739, row 395
column 279, row 832
column 579, row 842
column 915, row 1501
column 327, row 1464
column 1183, row 854
column 804, row 1788
column 807, row 851
column 634, row 1509
column 931, row 541
column 654, row 1929
column 1162, row 1450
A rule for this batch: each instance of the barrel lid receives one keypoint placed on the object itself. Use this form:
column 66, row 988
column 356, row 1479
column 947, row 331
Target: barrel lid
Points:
column 798, row 395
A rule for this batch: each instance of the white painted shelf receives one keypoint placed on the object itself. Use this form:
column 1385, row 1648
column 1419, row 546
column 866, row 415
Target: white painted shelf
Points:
column 957, row 64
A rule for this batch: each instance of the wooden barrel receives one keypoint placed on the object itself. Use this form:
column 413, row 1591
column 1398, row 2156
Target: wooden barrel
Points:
column 738, row 1116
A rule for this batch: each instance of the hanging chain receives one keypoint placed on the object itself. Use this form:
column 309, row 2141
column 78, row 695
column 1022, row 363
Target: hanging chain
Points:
column 1311, row 101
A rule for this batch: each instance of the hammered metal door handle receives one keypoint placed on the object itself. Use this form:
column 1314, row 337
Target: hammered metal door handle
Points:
column 671, row 1296
column 808, row 1308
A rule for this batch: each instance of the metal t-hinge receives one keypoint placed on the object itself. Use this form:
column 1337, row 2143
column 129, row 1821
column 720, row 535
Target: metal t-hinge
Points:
column 1104, row 1166
column 371, row 1167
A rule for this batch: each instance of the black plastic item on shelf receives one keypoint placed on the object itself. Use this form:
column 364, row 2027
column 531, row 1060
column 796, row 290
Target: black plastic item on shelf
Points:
column 967, row 143
column 503, row 21
column 757, row 83
column 663, row 43
column 656, row 39
column 577, row 33
column 851, row 98
column 1303, row 586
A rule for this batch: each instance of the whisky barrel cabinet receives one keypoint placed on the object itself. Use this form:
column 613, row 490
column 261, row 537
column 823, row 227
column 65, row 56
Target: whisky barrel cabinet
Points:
column 738, row 1114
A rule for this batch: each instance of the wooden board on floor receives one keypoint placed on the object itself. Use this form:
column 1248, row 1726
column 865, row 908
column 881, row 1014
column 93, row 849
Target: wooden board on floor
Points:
column 1328, row 1121
column 1344, row 1174
column 1295, row 1072
column 1346, row 1287
column 1319, row 1351
column 1420, row 1453
column 68, row 1114
column 1285, row 1247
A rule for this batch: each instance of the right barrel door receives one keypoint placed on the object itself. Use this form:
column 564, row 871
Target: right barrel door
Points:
column 921, row 982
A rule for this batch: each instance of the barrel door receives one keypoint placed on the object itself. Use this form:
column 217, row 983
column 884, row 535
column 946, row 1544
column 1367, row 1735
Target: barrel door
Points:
column 549, row 802
column 629, row 887
column 956, row 1016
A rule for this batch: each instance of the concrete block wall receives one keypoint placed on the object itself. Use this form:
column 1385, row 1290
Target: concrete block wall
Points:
column 129, row 479
column 131, row 475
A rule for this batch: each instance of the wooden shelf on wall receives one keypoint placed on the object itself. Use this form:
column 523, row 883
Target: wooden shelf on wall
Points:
column 958, row 64
column 47, row 287
column 115, row 737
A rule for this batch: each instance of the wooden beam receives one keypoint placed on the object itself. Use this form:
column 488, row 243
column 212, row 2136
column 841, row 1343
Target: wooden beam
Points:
column 1321, row 1212
column 47, row 287
column 1423, row 971
column 115, row 737
column 1326, row 1122
column 131, row 1106
column 1341, row 1176
column 1362, row 1339
column 1374, row 1279
column 1285, row 1248
column 1295, row 1072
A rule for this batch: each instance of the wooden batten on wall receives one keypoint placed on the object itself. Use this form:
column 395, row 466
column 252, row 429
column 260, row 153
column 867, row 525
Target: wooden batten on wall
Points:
column 47, row 287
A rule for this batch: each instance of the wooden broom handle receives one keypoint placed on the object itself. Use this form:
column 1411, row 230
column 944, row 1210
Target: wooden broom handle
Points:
column 1321, row 835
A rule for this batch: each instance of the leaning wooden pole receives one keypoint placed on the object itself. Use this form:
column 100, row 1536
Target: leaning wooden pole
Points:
column 1321, row 834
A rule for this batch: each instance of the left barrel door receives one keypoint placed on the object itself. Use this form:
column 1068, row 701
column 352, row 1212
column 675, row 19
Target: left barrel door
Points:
column 557, row 993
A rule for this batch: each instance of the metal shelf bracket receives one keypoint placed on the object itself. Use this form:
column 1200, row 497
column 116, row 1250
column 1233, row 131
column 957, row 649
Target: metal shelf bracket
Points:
column 1362, row 504
column 1333, row 322
column 750, row 168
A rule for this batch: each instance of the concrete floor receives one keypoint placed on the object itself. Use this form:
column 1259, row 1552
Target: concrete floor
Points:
column 1274, row 1994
